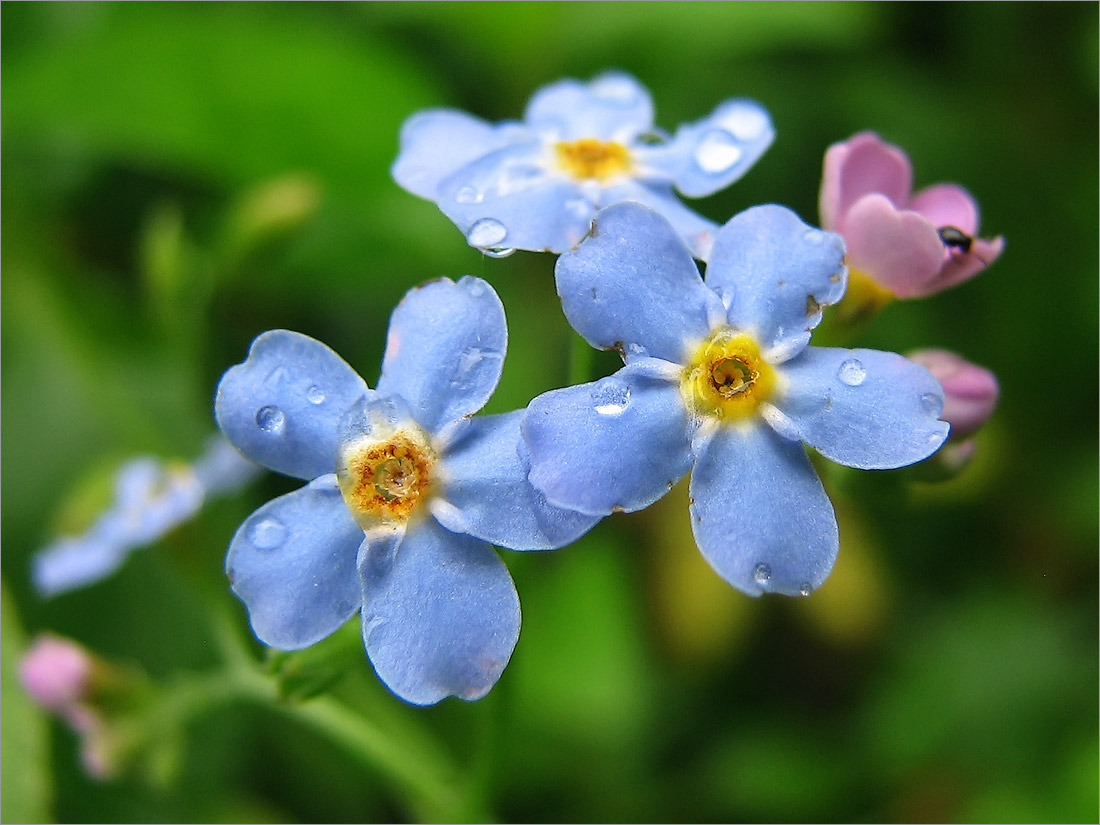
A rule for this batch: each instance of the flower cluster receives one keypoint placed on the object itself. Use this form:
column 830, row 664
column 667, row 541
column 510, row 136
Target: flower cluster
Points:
column 408, row 488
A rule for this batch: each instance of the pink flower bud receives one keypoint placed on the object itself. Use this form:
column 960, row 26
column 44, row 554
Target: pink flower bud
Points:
column 55, row 672
column 970, row 392
column 912, row 245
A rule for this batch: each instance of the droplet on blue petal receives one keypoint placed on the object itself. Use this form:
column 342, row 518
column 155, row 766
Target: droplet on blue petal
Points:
column 616, row 90
column 498, row 252
column 932, row 404
column 486, row 233
column 469, row 194
column 270, row 420
column 717, row 152
column 852, row 372
column 762, row 573
column 268, row 533
column 610, row 396
column 315, row 395
column 805, row 589
column 746, row 122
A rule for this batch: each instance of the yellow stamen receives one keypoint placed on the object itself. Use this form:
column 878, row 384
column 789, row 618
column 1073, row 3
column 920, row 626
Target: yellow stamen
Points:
column 590, row 158
column 727, row 378
column 383, row 482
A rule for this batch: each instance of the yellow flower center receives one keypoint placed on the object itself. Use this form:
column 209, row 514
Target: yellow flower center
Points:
column 590, row 158
column 863, row 298
column 727, row 378
column 383, row 482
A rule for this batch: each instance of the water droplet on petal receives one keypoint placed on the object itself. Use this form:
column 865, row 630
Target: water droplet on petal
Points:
column 746, row 122
column 932, row 404
column 852, row 372
column 717, row 152
column 468, row 194
column 762, row 573
column 486, row 233
column 617, row 90
column 498, row 252
column 315, row 395
column 610, row 396
column 271, row 420
column 805, row 589
column 268, row 533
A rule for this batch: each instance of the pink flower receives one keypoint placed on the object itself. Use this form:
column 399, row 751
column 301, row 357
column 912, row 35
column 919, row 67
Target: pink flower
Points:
column 970, row 392
column 55, row 673
column 909, row 245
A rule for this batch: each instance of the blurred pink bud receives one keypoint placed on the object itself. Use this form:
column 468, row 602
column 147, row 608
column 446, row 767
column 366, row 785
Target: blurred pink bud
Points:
column 970, row 392
column 913, row 245
column 55, row 673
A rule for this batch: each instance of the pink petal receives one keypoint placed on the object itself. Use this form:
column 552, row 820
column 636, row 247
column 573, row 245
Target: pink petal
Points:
column 970, row 392
column 862, row 166
column 946, row 204
column 961, row 266
column 898, row 249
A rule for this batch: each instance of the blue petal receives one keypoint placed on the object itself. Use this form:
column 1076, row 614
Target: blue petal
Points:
column 759, row 513
column 438, row 142
column 775, row 274
column 696, row 232
column 712, row 153
column 281, row 407
column 864, row 408
column 619, row 443
column 614, row 106
column 440, row 614
column 445, row 350
column 73, row 562
column 634, row 285
column 513, row 199
column 487, row 494
column 292, row 563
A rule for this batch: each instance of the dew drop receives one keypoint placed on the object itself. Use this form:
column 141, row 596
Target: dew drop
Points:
column 717, row 152
column 746, row 122
column 762, row 573
column 932, row 404
column 498, row 252
column 616, row 90
column 852, row 372
column 486, row 233
column 468, row 194
column 267, row 533
column 805, row 589
column 611, row 396
column 271, row 420
column 315, row 395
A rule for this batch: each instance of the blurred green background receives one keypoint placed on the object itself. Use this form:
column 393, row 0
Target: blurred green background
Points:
column 179, row 178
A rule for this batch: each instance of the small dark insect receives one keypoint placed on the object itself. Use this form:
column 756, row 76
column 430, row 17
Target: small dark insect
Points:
column 952, row 236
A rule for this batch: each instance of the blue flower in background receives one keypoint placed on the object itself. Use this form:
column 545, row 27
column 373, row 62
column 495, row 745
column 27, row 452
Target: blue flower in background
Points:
column 719, row 379
column 406, row 492
column 151, row 497
column 536, row 185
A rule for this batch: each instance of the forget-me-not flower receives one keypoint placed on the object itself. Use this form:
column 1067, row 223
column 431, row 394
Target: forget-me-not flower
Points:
column 900, row 244
column 151, row 498
column 407, row 490
column 537, row 184
column 719, row 380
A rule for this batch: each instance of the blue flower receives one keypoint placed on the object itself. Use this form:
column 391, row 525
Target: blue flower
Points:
column 536, row 185
column 719, row 380
column 151, row 497
column 406, row 491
